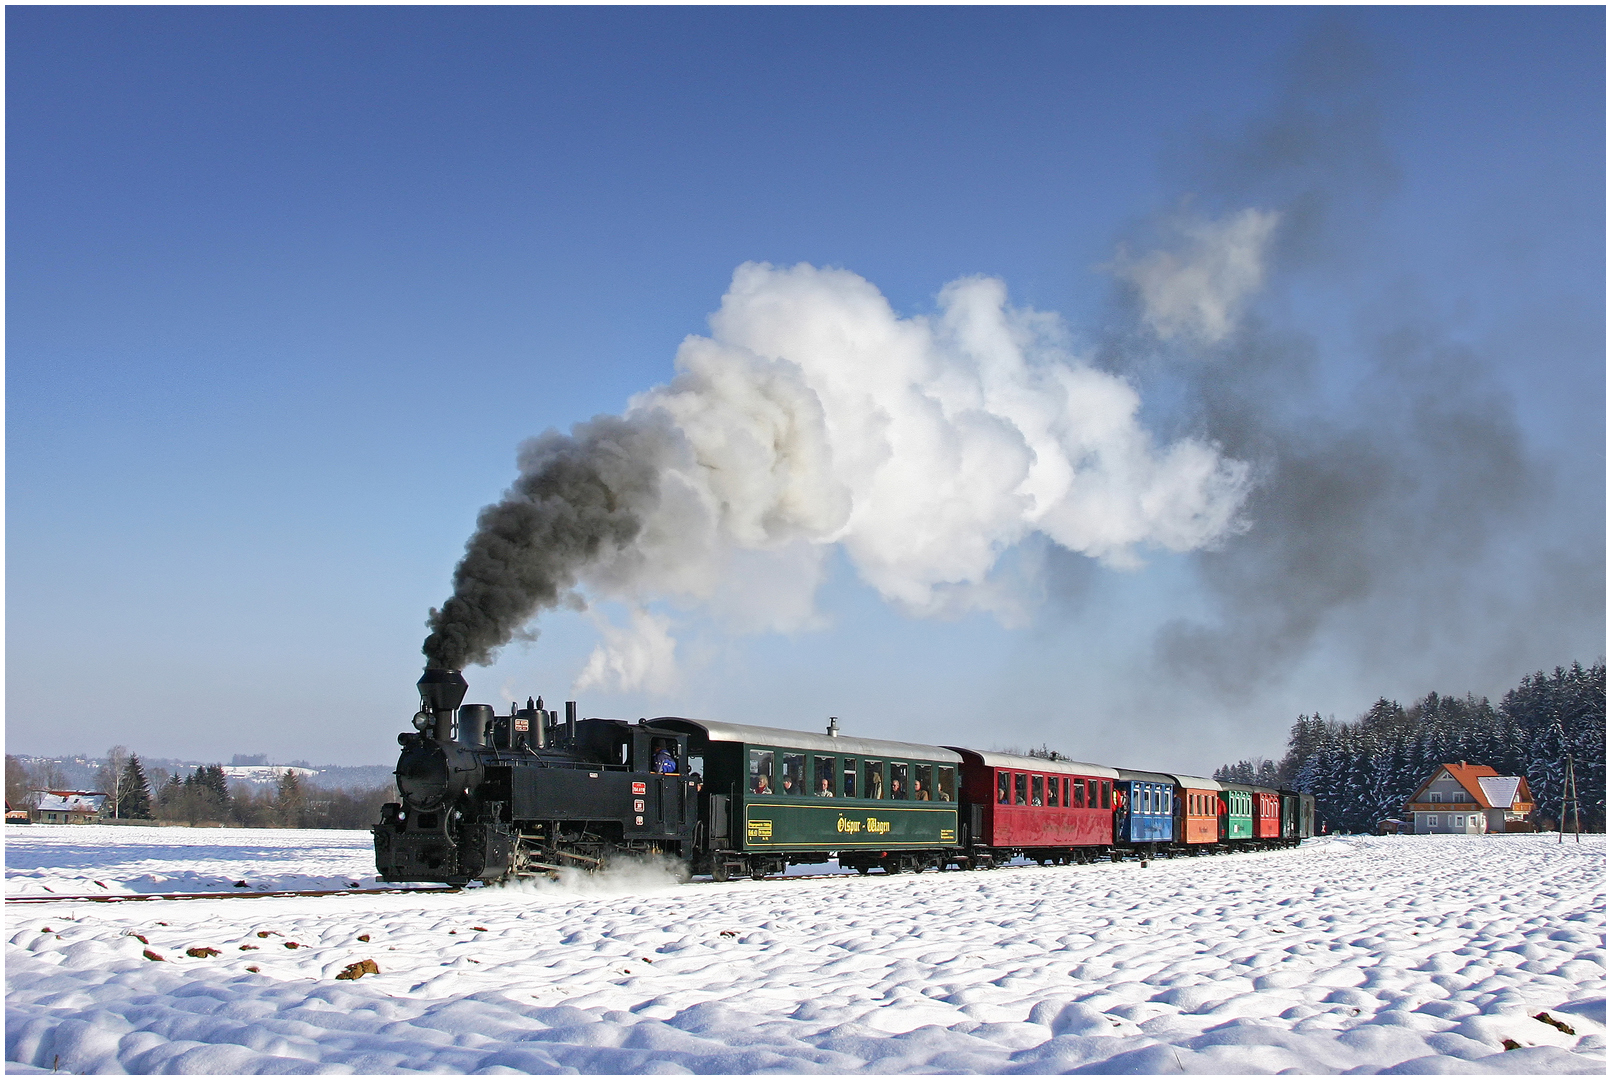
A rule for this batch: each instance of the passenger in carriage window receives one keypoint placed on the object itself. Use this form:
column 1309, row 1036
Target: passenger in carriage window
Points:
column 1020, row 789
column 873, row 787
column 1037, row 786
column 1051, row 791
column 897, row 780
column 1079, row 794
column 923, row 785
column 948, row 784
column 1003, row 788
column 761, row 772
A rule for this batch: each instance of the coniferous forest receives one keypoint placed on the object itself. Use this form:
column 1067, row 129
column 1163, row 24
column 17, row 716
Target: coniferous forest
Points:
column 1362, row 772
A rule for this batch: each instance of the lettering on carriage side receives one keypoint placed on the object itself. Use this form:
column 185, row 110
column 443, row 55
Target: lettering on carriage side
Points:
column 760, row 829
column 847, row 825
column 948, row 834
column 875, row 826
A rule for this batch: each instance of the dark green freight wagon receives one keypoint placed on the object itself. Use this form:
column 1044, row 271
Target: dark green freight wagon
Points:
column 771, row 798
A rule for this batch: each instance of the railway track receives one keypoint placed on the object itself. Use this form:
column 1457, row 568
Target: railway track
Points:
column 113, row 898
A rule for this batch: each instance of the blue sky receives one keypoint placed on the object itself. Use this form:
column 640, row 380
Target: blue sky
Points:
column 287, row 286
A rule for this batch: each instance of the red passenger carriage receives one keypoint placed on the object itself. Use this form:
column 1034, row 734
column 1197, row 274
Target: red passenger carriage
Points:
column 1049, row 809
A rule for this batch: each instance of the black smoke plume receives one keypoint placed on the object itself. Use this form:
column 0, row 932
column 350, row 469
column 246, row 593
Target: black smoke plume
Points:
column 578, row 496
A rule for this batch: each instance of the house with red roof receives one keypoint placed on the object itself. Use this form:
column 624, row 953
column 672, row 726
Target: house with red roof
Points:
column 1462, row 798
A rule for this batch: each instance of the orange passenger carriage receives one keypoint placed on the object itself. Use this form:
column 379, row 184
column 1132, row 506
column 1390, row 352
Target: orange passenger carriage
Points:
column 1197, row 810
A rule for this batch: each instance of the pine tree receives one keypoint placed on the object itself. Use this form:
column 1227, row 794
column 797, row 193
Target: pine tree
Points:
column 290, row 804
column 136, row 790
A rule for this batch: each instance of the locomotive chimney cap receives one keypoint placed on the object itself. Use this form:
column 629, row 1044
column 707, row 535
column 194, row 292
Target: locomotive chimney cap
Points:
column 442, row 689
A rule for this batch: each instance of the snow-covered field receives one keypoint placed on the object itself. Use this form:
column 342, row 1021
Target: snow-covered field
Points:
column 1392, row 954
column 93, row 860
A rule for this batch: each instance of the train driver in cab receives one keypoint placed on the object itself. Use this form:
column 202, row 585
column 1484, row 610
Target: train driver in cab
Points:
column 664, row 762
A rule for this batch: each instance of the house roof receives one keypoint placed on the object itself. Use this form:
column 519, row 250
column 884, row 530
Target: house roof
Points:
column 80, row 802
column 1484, row 784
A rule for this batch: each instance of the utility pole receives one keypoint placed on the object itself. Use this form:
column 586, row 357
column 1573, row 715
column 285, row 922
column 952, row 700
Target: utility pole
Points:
column 1569, row 797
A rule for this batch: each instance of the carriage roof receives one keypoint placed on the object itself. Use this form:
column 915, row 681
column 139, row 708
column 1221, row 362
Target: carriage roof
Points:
column 806, row 740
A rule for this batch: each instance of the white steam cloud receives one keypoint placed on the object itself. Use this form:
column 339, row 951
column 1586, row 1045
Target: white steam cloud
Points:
column 1198, row 290
column 925, row 447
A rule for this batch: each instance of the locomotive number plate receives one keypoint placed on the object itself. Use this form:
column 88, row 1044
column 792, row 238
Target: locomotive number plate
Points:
column 522, row 724
column 640, row 787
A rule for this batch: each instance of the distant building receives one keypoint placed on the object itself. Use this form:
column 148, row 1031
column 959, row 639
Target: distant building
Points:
column 15, row 817
column 1462, row 798
column 263, row 774
column 68, row 807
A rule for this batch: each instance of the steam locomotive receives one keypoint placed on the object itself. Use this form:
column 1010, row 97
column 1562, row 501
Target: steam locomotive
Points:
column 488, row 797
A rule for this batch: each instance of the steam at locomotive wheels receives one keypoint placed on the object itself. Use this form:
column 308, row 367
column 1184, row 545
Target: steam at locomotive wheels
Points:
column 489, row 796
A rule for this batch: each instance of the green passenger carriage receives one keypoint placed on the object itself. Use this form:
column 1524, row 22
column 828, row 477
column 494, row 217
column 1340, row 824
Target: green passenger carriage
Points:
column 1237, row 812
column 772, row 798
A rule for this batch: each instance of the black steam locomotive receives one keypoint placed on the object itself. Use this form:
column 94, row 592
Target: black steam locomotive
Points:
column 523, row 793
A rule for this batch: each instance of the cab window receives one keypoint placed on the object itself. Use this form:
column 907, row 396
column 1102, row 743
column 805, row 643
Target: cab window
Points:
column 761, row 772
column 946, row 786
column 872, row 780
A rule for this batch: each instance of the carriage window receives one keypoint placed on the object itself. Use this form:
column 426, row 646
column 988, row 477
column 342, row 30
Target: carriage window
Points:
column 1065, row 792
column 1079, row 794
column 850, row 778
column 1020, row 789
column 1004, row 788
column 1037, row 791
column 761, row 772
column 923, row 785
column 822, row 779
column 872, row 780
column 1107, row 794
column 1051, row 791
column 900, row 784
column 793, row 778
column 947, row 784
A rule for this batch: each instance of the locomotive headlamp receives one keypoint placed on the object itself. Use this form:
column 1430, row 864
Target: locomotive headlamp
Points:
column 423, row 721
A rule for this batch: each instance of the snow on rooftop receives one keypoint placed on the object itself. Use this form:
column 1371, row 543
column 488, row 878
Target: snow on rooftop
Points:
column 1403, row 954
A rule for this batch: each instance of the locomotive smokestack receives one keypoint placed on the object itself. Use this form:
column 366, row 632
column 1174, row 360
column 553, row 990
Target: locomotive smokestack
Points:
column 441, row 691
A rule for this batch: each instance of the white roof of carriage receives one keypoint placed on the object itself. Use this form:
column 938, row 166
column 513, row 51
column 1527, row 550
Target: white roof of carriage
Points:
column 1041, row 765
column 807, row 740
